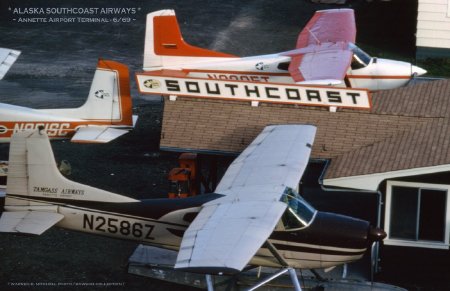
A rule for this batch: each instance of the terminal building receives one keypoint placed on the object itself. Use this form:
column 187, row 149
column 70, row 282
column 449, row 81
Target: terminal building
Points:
column 389, row 165
column 433, row 29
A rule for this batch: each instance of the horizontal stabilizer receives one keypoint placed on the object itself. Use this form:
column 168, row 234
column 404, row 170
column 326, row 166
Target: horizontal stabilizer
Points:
column 7, row 59
column 29, row 222
column 97, row 134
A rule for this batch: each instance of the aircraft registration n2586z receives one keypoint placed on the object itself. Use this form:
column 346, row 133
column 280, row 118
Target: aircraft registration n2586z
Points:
column 106, row 114
column 254, row 216
column 325, row 54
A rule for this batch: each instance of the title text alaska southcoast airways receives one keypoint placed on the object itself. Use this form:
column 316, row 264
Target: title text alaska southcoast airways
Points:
column 73, row 11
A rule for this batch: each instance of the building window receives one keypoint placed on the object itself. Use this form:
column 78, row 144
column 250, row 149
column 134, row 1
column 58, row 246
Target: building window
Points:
column 417, row 214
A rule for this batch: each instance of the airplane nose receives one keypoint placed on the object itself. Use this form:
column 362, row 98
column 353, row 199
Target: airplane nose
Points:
column 376, row 234
column 417, row 71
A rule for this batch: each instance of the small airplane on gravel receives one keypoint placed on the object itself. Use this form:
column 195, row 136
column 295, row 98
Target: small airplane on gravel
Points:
column 106, row 115
column 254, row 217
column 325, row 54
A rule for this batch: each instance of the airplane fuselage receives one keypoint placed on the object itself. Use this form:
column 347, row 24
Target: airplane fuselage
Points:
column 328, row 240
column 58, row 123
column 376, row 74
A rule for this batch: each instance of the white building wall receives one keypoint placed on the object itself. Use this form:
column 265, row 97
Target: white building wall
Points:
column 433, row 24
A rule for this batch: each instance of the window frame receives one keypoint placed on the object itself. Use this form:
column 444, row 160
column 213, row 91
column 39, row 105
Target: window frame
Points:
column 448, row 8
column 416, row 243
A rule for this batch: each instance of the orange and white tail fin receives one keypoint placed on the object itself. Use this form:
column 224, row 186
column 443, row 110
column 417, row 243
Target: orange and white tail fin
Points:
column 165, row 47
column 109, row 100
column 108, row 108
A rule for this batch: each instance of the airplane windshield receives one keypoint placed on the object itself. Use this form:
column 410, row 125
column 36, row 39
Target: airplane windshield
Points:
column 298, row 213
column 360, row 56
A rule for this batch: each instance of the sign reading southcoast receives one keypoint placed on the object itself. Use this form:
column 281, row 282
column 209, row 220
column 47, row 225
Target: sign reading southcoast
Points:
column 175, row 83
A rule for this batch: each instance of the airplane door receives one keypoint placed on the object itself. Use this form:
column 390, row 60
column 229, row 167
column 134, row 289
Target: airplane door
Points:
column 361, row 75
column 374, row 71
column 363, row 70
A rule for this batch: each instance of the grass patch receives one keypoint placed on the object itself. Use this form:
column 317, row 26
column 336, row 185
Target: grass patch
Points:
column 436, row 67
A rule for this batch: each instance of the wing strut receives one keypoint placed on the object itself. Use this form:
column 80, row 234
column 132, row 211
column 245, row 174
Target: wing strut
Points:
column 284, row 270
column 276, row 254
column 292, row 274
column 209, row 282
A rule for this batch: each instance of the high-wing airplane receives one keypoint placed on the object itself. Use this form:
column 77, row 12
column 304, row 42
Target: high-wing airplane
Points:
column 106, row 115
column 254, row 216
column 325, row 54
column 7, row 59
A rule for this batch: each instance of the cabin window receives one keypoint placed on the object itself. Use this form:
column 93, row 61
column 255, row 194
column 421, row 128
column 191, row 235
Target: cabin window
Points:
column 299, row 213
column 357, row 64
column 360, row 58
column 284, row 66
column 417, row 214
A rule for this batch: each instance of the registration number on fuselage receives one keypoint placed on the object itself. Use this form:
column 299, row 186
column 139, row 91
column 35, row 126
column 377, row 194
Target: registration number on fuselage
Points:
column 116, row 226
column 55, row 129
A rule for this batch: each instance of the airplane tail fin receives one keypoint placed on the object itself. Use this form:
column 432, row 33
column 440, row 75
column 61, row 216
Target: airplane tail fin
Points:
column 32, row 171
column 164, row 44
column 109, row 99
column 108, row 108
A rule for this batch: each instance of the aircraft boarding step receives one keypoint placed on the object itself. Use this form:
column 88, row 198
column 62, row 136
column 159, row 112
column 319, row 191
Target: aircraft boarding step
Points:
column 158, row 264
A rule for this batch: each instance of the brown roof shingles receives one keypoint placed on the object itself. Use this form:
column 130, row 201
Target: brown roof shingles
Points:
column 406, row 128
column 424, row 146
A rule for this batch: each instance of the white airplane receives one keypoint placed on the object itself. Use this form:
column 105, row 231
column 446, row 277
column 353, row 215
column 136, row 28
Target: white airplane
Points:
column 7, row 59
column 325, row 54
column 254, row 216
column 106, row 115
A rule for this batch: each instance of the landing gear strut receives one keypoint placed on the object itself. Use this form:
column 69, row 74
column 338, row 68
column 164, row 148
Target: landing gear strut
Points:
column 292, row 274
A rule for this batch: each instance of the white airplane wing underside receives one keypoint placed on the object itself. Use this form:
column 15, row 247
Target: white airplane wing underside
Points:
column 322, row 51
column 29, row 222
column 7, row 59
column 327, row 67
column 97, row 134
column 228, row 231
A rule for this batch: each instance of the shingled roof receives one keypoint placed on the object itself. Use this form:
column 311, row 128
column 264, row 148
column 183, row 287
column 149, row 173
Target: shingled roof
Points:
column 406, row 128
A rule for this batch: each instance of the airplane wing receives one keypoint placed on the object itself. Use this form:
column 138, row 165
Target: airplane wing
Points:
column 7, row 59
column 229, row 231
column 322, row 51
column 29, row 222
column 99, row 134
column 333, row 25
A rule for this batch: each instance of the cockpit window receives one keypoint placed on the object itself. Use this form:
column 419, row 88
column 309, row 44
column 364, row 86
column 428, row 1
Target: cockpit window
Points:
column 360, row 58
column 298, row 213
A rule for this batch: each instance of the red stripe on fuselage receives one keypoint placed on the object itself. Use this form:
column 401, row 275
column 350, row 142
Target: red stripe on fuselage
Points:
column 386, row 77
column 54, row 129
